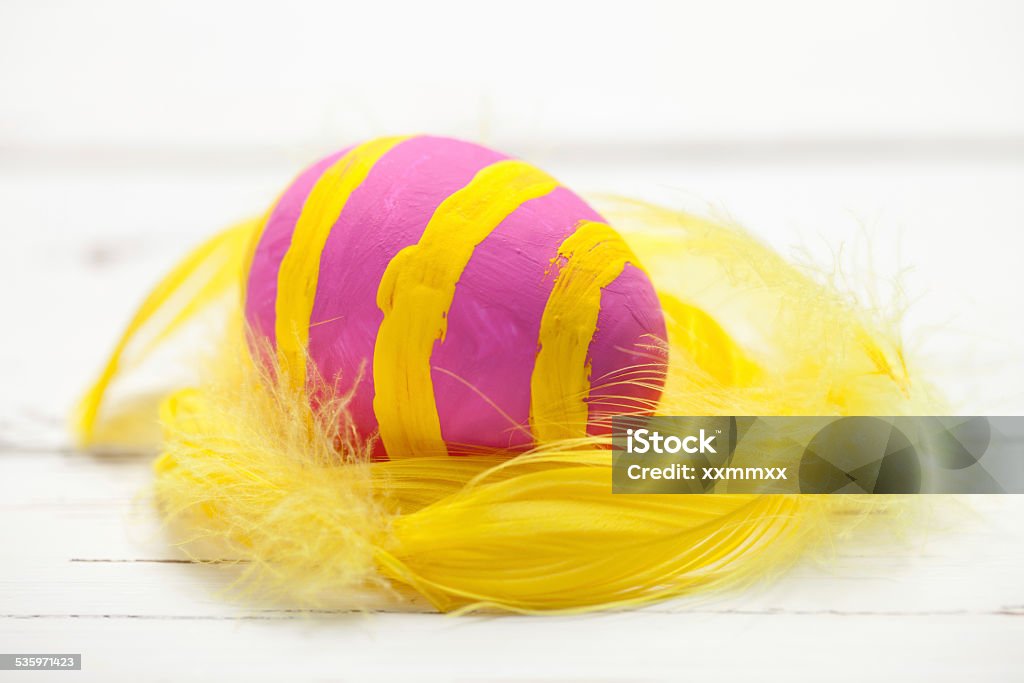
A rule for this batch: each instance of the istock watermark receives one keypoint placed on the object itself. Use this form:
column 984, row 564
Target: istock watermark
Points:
column 645, row 440
column 859, row 454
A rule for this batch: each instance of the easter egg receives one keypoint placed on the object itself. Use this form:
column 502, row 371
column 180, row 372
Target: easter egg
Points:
column 463, row 300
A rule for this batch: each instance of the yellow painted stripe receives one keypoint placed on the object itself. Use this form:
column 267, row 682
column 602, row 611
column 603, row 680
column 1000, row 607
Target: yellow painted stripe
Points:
column 300, row 268
column 416, row 292
column 594, row 256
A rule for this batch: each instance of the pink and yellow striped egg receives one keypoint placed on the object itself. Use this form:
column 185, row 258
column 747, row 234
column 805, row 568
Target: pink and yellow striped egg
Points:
column 465, row 299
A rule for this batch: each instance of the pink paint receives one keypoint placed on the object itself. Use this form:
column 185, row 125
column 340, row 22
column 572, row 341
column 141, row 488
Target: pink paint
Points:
column 388, row 212
column 482, row 370
column 628, row 345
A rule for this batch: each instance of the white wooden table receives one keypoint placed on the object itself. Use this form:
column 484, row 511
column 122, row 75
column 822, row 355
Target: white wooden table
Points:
column 84, row 567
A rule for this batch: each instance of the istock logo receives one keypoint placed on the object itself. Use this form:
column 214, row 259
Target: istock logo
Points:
column 646, row 441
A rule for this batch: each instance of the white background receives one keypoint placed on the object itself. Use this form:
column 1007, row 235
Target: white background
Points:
column 887, row 137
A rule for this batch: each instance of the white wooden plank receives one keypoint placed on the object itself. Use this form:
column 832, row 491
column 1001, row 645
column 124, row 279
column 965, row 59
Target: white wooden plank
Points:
column 617, row 647
column 231, row 74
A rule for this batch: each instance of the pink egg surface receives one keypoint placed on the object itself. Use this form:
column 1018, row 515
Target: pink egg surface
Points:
column 493, row 293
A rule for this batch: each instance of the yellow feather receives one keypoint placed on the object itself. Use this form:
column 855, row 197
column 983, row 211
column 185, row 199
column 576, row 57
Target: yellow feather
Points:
column 314, row 520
